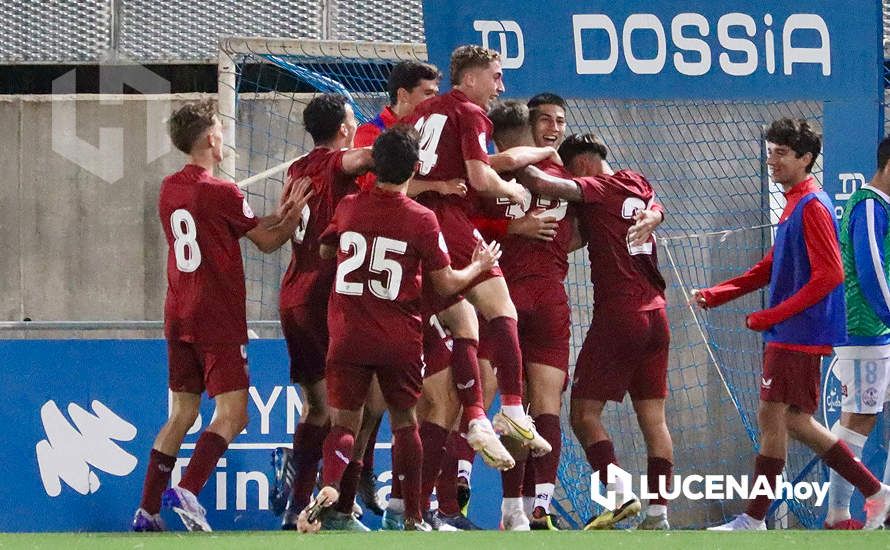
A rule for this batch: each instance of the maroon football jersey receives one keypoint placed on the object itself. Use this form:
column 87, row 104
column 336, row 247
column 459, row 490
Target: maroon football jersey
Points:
column 523, row 257
column 452, row 130
column 308, row 278
column 624, row 277
column 384, row 239
column 203, row 217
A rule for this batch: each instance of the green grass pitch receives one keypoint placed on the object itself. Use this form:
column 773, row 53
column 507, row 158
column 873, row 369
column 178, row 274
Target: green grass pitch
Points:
column 481, row 540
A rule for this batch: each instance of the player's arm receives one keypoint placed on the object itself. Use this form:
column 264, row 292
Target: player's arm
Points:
column 487, row 182
column 542, row 183
column 357, row 161
column 756, row 277
column 519, row 157
column 530, row 226
column 447, row 281
column 645, row 223
column 273, row 231
column 455, row 186
column 868, row 229
column 826, row 269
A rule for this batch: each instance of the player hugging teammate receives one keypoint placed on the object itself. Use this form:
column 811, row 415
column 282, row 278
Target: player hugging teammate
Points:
column 394, row 301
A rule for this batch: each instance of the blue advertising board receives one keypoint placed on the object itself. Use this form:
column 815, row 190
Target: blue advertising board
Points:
column 762, row 50
column 80, row 417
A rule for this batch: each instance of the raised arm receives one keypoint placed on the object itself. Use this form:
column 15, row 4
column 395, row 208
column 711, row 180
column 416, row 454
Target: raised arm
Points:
column 484, row 179
column 357, row 161
column 542, row 183
column 519, row 157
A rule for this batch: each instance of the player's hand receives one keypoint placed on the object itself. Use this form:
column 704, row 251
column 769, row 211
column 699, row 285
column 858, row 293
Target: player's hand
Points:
column 456, row 186
column 645, row 223
column 757, row 322
column 554, row 156
column 534, row 226
column 487, row 255
column 698, row 299
column 517, row 194
column 294, row 197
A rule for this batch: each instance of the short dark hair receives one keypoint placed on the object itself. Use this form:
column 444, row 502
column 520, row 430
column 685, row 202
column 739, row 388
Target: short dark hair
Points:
column 545, row 98
column 579, row 144
column 324, row 115
column 407, row 75
column 189, row 122
column 798, row 135
column 395, row 153
column 883, row 153
column 508, row 116
column 468, row 57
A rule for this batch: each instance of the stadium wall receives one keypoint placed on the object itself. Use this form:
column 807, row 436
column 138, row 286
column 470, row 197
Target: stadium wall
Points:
column 76, row 245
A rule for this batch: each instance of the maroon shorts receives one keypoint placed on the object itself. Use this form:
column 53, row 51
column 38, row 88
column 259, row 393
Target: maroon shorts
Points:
column 436, row 348
column 461, row 237
column 791, row 377
column 305, row 330
column 348, row 384
column 218, row 368
column 544, row 323
column 624, row 352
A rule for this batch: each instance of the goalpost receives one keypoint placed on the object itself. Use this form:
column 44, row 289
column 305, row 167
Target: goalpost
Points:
column 703, row 155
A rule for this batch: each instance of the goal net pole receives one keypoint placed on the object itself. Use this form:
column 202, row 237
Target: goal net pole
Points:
column 230, row 47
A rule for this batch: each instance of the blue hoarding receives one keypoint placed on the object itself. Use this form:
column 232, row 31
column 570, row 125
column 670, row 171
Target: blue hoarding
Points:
column 80, row 417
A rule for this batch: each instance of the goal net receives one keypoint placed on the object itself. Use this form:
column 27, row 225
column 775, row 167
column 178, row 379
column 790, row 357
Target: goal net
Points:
column 706, row 161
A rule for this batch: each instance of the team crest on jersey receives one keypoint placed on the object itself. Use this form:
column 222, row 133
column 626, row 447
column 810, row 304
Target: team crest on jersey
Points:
column 245, row 207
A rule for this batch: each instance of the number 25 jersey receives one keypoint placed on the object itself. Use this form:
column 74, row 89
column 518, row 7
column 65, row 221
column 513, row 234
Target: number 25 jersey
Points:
column 203, row 218
column 384, row 240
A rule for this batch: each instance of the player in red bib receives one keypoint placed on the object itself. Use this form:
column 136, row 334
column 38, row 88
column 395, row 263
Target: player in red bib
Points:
column 386, row 241
column 454, row 132
column 626, row 348
column 306, row 286
column 204, row 313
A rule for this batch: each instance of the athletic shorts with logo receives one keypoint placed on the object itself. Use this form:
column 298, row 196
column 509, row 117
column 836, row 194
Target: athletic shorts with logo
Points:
column 791, row 377
column 863, row 374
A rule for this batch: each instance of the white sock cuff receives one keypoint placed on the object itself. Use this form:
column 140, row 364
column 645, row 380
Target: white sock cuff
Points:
column 849, row 436
column 513, row 503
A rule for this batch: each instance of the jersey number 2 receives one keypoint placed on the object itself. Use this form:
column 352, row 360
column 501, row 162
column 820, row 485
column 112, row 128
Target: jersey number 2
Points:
column 630, row 207
column 357, row 245
column 185, row 244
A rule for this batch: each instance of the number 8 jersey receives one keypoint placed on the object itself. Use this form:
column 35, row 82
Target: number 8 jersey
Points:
column 203, row 218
